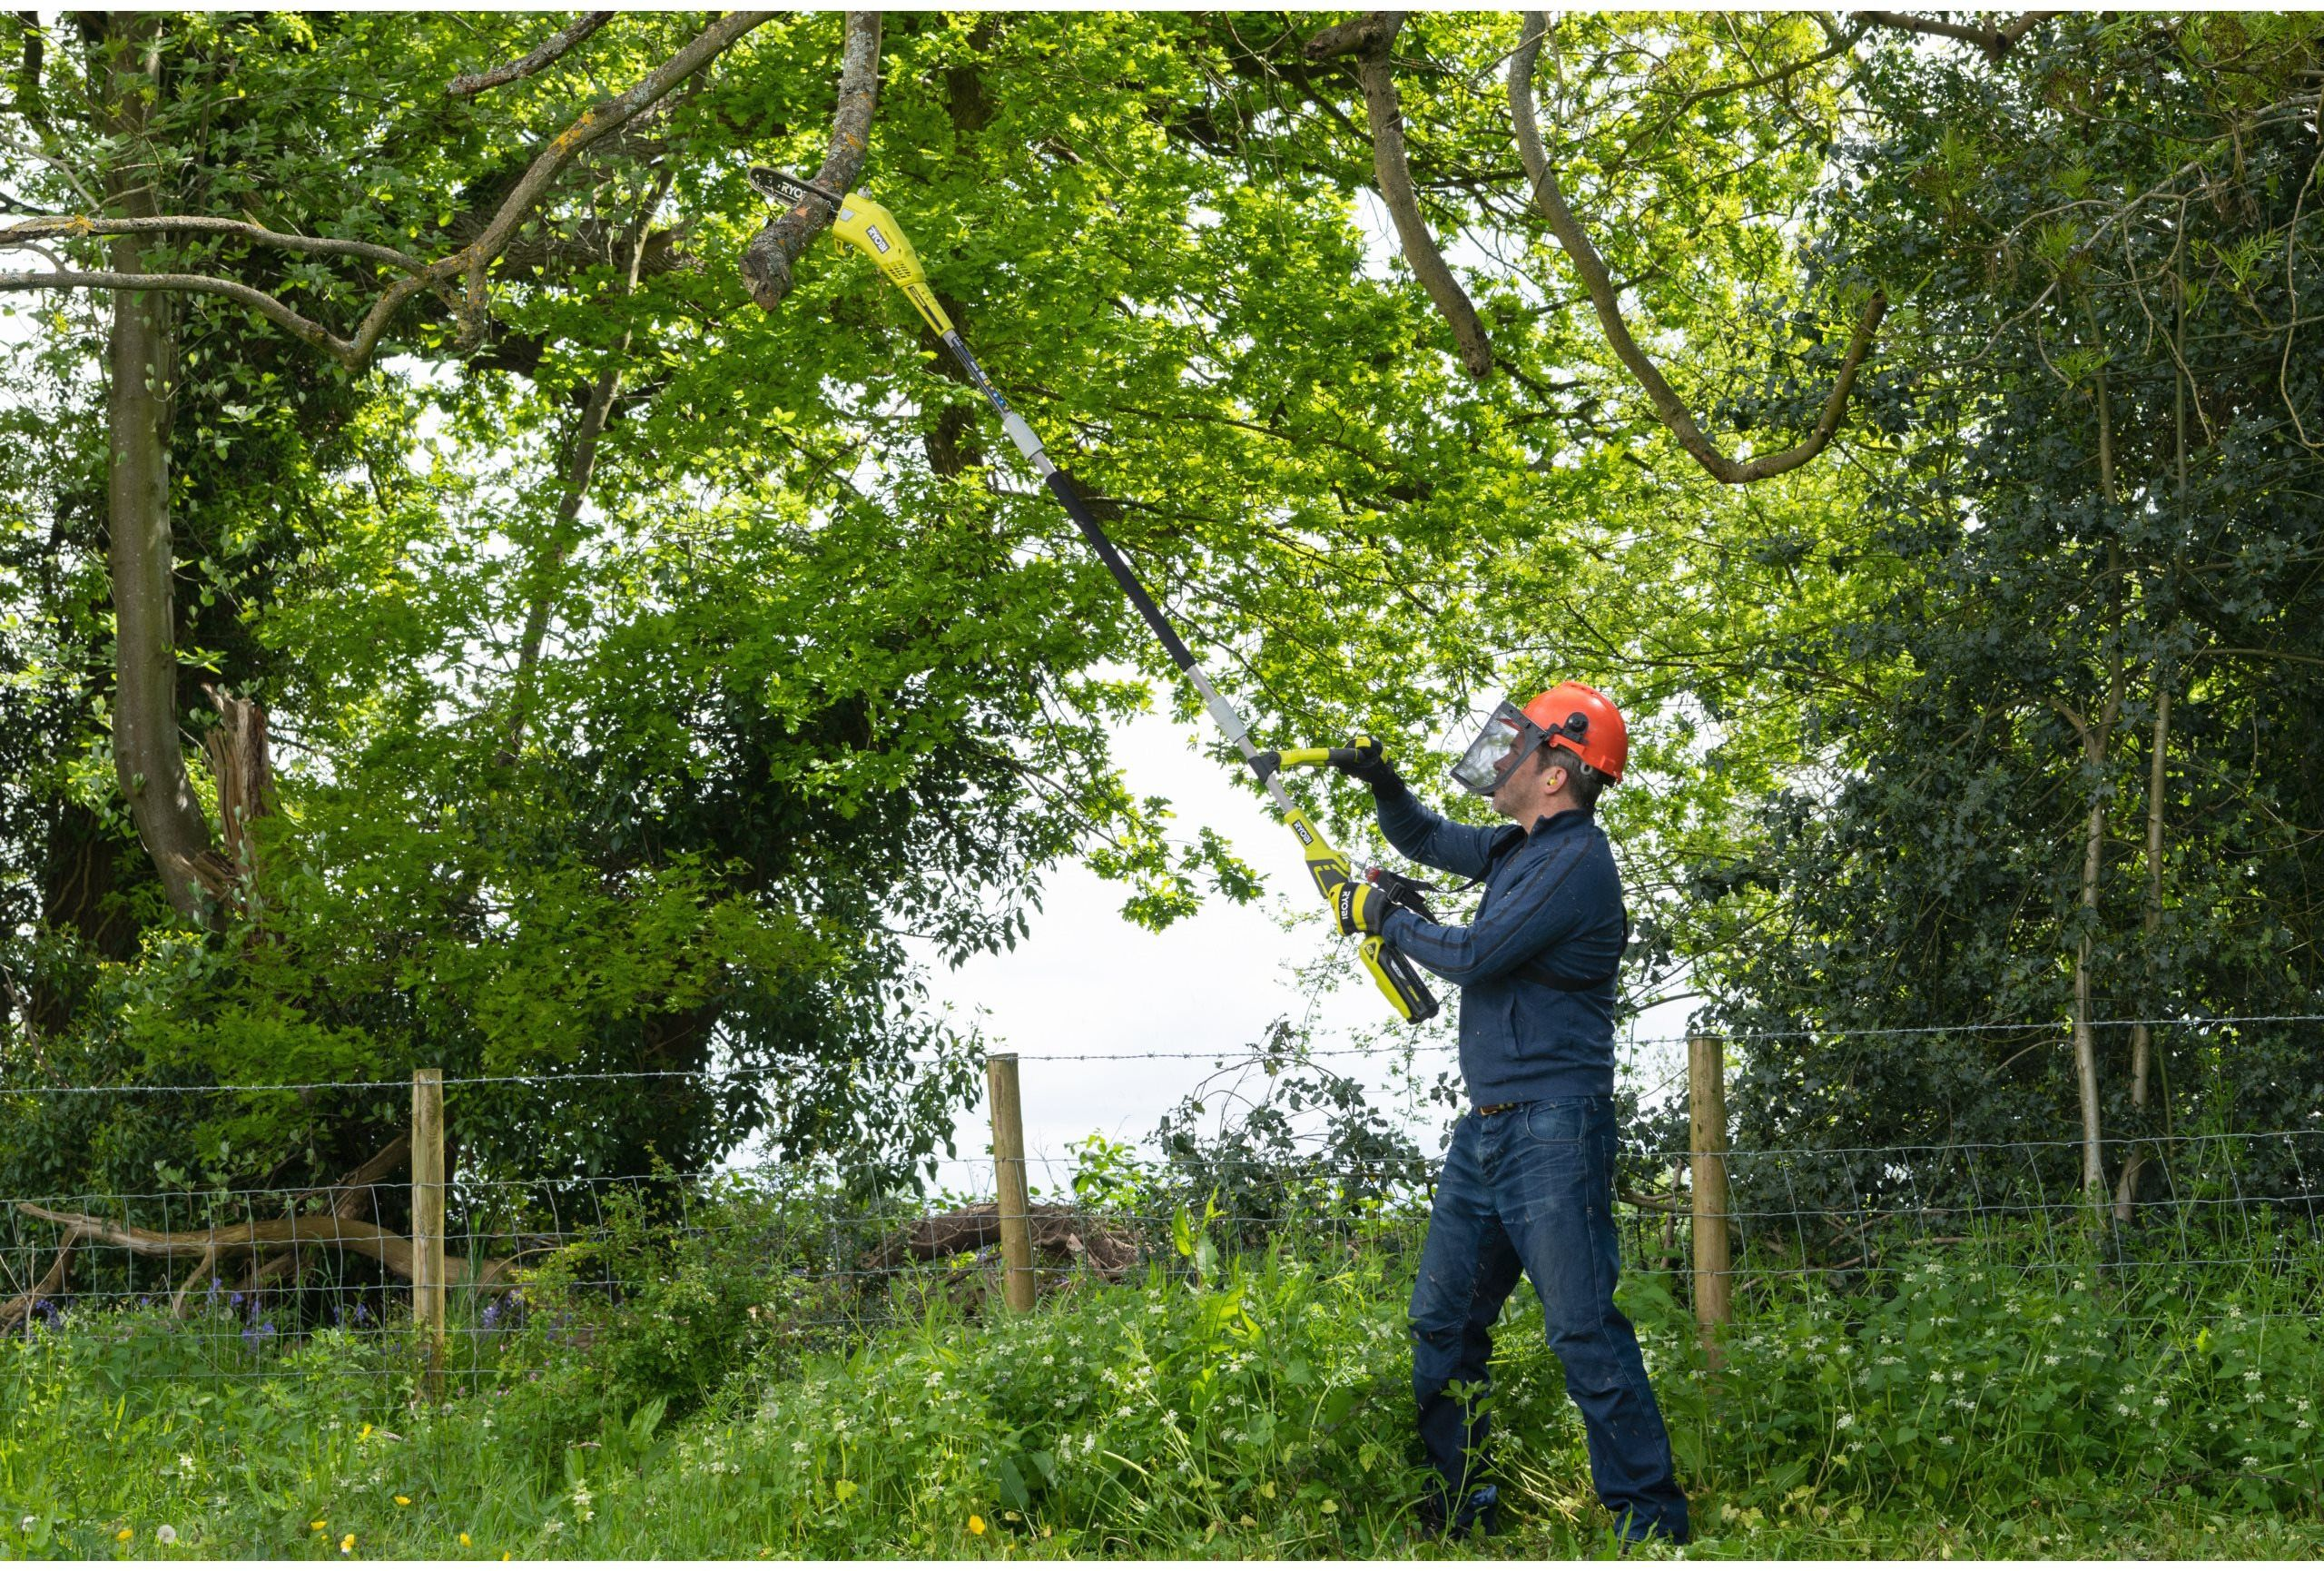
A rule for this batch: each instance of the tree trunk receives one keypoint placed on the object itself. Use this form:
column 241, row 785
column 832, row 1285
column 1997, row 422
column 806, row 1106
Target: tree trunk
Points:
column 2142, row 1034
column 2095, row 740
column 142, row 359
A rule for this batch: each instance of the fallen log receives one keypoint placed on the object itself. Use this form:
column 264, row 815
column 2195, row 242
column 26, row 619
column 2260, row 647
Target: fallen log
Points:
column 351, row 1197
column 15, row 1310
column 210, row 1245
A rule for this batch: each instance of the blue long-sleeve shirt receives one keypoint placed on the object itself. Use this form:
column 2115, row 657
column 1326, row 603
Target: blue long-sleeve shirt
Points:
column 1551, row 914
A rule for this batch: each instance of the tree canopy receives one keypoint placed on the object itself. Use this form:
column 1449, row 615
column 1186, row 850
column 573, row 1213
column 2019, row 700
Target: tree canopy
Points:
column 480, row 588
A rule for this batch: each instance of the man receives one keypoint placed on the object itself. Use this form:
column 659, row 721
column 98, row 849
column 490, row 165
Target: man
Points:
column 1528, row 1183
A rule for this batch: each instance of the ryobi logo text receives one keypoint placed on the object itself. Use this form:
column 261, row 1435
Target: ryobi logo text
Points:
column 871, row 233
column 1306, row 837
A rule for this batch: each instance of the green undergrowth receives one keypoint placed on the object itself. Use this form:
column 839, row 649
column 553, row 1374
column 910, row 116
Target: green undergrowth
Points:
column 1967, row 1404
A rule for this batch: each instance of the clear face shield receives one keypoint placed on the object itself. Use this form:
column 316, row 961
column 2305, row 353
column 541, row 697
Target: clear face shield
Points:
column 1507, row 740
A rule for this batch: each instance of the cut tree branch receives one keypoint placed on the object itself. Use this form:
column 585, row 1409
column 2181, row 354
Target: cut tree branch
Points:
column 558, row 44
column 1595, row 278
column 472, row 260
column 777, row 247
column 1368, row 38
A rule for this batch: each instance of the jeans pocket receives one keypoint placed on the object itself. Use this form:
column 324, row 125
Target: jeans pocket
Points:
column 1561, row 1122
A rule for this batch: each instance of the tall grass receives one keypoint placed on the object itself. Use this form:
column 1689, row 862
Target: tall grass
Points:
column 1255, row 1405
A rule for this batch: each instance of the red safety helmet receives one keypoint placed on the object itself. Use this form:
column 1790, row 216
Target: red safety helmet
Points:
column 1584, row 722
column 1580, row 719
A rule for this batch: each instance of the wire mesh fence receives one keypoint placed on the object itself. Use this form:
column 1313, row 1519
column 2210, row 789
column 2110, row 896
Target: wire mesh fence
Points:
column 228, row 1279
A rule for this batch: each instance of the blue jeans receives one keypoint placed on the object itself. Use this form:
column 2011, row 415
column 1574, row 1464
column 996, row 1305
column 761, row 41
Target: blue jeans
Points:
column 1530, row 1191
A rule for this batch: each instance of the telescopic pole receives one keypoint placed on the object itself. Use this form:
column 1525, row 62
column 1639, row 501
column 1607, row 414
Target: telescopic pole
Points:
column 865, row 225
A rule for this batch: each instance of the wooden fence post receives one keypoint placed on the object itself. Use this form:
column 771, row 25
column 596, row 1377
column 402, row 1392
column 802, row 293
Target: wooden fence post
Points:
column 1009, row 1179
column 1706, row 1105
column 428, row 1220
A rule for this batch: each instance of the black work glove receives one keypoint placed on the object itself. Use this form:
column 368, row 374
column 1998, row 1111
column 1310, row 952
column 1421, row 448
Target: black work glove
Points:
column 1369, row 765
column 1359, row 907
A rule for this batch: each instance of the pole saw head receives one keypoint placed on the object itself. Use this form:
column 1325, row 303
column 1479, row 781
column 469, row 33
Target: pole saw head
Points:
column 863, row 223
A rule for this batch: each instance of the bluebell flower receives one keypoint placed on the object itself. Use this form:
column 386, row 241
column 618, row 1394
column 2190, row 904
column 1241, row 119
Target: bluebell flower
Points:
column 490, row 1317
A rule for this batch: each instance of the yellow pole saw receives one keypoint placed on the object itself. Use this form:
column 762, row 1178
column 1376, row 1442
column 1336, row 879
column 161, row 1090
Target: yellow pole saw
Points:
column 859, row 222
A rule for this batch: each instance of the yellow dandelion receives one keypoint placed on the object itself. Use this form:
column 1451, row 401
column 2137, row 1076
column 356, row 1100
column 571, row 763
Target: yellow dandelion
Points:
column 976, row 1524
column 504, row 1554
column 464, row 1540
column 318, row 1524
column 403, row 1500
column 124, row 1536
column 347, row 1544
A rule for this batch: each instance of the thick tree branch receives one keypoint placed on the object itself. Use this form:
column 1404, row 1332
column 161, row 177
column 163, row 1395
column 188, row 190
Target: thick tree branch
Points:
column 74, row 228
column 1368, row 38
column 599, row 121
column 284, row 317
column 471, row 261
column 1995, row 41
column 1359, row 36
column 777, row 247
column 548, row 54
column 1591, row 269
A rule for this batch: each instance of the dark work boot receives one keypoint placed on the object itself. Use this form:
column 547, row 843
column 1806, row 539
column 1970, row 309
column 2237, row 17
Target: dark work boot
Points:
column 1479, row 1513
